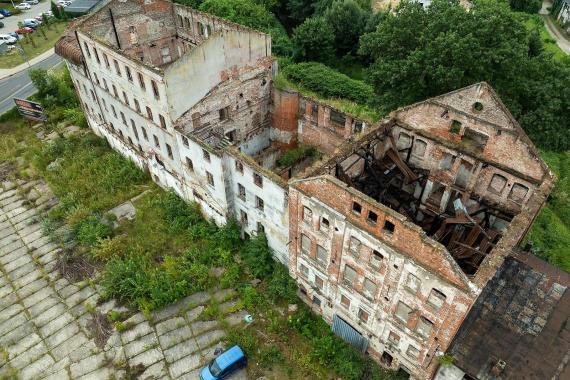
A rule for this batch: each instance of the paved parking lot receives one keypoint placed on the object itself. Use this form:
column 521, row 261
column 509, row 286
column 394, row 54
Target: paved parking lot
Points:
column 11, row 23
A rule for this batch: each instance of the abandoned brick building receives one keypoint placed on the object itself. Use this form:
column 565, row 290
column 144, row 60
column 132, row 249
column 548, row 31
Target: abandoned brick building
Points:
column 391, row 231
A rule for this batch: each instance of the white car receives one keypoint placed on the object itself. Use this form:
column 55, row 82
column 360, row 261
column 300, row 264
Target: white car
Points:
column 1, row 16
column 8, row 39
column 64, row 3
column 23, row 6
column 31, row 2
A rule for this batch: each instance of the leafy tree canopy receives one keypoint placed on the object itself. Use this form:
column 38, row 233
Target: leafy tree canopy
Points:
column 419, row 53
column 313, row 40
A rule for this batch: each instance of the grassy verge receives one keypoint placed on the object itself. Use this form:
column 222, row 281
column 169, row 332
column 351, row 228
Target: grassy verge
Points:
column 550, row 233
column 533, row 22
column 42, row 44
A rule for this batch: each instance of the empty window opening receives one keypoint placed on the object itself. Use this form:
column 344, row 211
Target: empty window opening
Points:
column 363, row 315
column 325, row 223
column 356, row 208
column 345, row 301
column 376, row 259
column 307, row 214
column 322, row 255
column 354, row 246
column 455, row 127
column 518, row 193
column 241, row 192
column 338, row 118
column 206, row 155
column 189, row 164
column 257, row 179
column 372, row 217
column 259, row 204
column 436, row 299
column 389, row 227
column 210, row 179
column 156, row 143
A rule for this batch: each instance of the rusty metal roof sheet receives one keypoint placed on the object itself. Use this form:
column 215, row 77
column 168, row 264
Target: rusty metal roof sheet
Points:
column 519, row 327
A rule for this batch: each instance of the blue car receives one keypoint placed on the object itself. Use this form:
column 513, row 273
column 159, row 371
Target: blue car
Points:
column 5, row 12
column 225, row 364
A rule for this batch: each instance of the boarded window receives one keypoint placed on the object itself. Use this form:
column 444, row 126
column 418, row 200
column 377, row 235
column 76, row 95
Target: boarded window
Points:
column 403, row 312
column 413, row 352
column 369, row 288
column 305, row 244
column 338, row 118
column 497, row 184
column 424, row 327
column 322, row 255
column 403, row 140
column 393, row 338
column 304, row 271
column 363, row 315
column 349, row 275
column 413, row 283
column 436, row 298
column 165, row 54
column 354, row 246
column 420, row 147
column 463, row 174
column 376, row 259
column 307, row 214
column 344, row 301
column 518, row 193
column 447, row 161
column 319, row 283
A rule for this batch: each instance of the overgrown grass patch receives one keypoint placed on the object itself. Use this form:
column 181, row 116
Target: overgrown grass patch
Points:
column 87, row 176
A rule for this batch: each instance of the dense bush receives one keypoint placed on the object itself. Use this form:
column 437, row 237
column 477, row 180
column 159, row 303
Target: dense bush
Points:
column 257, row 256
column 249, row 13
column 328, row 82
column 528, row 6
column 418, row 53
column 313, row 40
column 293, row 156
column 91, row 229
column 281, row 286
column 179, row 214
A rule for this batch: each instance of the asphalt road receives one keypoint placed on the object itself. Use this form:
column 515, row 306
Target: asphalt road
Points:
column 20, row 86
column 11, row 22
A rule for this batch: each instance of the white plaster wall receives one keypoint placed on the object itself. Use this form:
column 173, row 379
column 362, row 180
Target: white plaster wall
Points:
column 192, row 76
column 275, row 215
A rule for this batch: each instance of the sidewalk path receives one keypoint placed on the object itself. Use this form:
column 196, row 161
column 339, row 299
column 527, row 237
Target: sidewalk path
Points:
column 4, row 73
column 561, row 40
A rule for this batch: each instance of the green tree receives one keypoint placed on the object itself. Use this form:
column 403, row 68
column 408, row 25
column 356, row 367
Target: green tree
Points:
column 528, row 6
column 55, row 9
column 313, row 40
column 248, row 13
column 299, row 10
column 418, row 53
column 348, row 21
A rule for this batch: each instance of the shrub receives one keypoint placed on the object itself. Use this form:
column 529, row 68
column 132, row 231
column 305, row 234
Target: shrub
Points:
column 293, row 156
column 257, row 256
column 106, row 249
column 281, row 286
column 179, row 214
column 328, row 82
column 231, row 276
column 250, row 297
column 90, row 230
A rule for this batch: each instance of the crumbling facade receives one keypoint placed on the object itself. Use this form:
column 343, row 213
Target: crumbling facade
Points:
column 390, row 229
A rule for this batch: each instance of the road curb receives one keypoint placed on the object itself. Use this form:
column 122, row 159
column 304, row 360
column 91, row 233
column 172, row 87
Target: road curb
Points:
column 25, row 66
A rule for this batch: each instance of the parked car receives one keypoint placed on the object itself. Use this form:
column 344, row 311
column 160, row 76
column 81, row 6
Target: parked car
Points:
column 224, row 364
column 8, row 39
column 23, row 6
column 31, row 2
column 24, row 30
column 16, row 35
column 5, row 13
column 32, row 21
column 64, row 3
column 1, row 16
